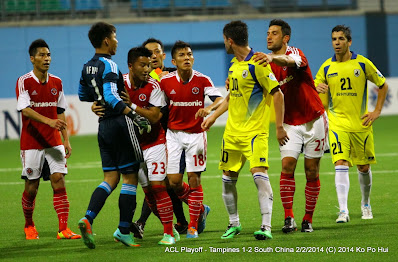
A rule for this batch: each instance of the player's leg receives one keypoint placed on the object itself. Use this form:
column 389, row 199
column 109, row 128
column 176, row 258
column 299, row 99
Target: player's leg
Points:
column 182, row 224
column 32, row 162
column 340, row 149
column 363, row 155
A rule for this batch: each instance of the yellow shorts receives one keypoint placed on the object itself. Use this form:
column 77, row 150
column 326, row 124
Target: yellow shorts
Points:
column 356, row 148
column 236, row 149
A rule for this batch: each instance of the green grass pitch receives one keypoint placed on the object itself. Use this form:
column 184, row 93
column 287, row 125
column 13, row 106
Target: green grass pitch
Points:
column 357, row 240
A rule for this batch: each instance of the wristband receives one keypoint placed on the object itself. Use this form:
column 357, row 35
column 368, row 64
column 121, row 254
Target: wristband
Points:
column 131, row 114
column 133, row 106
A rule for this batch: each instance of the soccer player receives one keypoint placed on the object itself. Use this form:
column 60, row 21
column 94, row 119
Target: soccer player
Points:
column 305, row 121
column 120, row 151
column 344, row 78
column 158, row 71
column 252, row 87
column 41, row 101
column 185, row 90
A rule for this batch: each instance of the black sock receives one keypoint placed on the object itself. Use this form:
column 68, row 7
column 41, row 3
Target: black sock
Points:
column 177, row 207
column 127, row 204
column 145, row 213
column 97, row 201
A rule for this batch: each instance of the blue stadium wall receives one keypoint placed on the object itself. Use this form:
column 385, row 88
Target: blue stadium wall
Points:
column 71, row 48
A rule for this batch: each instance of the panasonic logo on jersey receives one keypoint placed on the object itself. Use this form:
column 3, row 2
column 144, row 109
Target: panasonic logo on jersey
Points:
column 43, row 104
column 193, row 103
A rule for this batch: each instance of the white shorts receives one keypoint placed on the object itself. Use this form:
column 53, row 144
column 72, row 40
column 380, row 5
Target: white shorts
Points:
column 310, row 138
column 33, row 160
column 154, row 166
column 195, row 147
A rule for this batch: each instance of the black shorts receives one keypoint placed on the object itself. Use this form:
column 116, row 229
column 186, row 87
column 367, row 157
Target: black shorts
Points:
column 119, row 146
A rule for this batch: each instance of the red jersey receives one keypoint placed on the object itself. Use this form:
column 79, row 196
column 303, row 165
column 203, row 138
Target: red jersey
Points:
column 186, row 98
column 145, row 97
column 44, row 99
column 302, row 102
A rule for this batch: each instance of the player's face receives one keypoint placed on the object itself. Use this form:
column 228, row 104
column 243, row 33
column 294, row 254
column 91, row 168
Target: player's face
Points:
column 183, row 59
column 111, row 42
column 274, row 38
column 140, row 68
column 42, row 59
column 157, row 55
column 340, row 43
column 227, row 44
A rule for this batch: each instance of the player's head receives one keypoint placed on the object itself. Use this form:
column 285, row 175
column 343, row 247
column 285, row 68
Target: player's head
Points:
column 138, row 60
column 278, row 34
column 341, row 39
column 40, row 55
column 158, row 54
column 235, row 33
column 103, row 35
column 182, row 56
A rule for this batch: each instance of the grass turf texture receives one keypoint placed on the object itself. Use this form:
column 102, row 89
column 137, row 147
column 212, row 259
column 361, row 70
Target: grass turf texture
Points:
column 329, row 241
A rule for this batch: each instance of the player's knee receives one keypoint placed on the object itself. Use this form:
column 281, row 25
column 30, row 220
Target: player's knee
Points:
column 288, row 165
column 57, row 180
column 363, row 168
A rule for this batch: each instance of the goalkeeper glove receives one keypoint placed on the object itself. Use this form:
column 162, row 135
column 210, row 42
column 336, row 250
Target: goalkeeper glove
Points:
column 141, row 122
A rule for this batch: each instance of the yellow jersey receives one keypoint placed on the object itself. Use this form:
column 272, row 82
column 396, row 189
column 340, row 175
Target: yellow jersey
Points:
column 250, row 85
column 348, row 90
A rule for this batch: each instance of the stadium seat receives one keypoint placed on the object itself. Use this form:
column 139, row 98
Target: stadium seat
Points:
column 88, row 5
column 150, row 4
column 20, row 6
column 217, row 3
column 51, row 5
column 188, row 4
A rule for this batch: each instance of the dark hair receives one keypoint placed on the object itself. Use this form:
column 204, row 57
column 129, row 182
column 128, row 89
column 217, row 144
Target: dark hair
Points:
column 286, row 30
column 37, row 44
column 136, row 52
column 177, row 46
column 99, row 31
column 153, row 40
column 345, row 29
column 237, row 31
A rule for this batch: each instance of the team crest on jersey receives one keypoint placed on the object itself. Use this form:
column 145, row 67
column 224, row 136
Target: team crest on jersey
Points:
column 54, row 91
column 29, row 171
column 245, row 73
column 142, row 97
column 195, row 90
column 284, row 68
column 357, row 72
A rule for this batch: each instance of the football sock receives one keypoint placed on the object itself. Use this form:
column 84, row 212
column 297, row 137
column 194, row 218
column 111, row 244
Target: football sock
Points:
column 127, row 204
column 195, row 201
column 150, row 201
column 165, row 207
column 287, row 187
column 97, row 200
column 28, row 206
column 184, row 193
column 230, row 197
column 177, row 207
column 365, row 182
column 342, row 182
column 265, row 197
column 61, row 206
column 312, row 189
column 146, row 211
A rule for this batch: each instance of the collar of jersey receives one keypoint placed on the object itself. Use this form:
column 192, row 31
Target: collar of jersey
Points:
column 249, row 56
column 103, row 55
column 353, row 56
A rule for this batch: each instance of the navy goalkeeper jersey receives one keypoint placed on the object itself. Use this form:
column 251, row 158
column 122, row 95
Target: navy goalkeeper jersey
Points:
column 102, row 81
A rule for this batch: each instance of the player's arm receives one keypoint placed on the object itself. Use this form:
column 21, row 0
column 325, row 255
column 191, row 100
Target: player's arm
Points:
column 279, row 105
column 203, row 112
column 54, row 123
column 370, row 117
column 221, row 109
column 280, row 60
column 152, row 113
column 64, row 132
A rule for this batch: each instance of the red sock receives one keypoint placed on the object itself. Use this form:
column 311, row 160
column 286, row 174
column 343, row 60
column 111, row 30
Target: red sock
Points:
column 312, row 189
column 287, row 187
column 165, row 208
column 184, row 194
column 61, row 206
column 151, row 201
column 28, row 206
column 195, row 201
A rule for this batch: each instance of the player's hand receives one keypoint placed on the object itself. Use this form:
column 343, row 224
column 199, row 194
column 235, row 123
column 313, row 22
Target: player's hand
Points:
column 281, row 135
column 227, row 83
column 68, row 149
column 142, row 124
column 98, row 109
column 207, row 123
column 57, row 124
column 203, row 112
column 322, row 88
column 163, row 74
column 125, row 97
column 262, row 59
column 369, row 118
